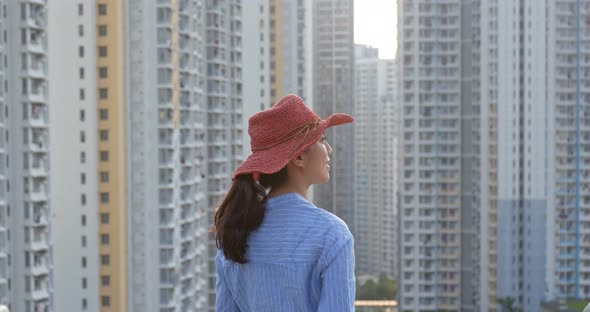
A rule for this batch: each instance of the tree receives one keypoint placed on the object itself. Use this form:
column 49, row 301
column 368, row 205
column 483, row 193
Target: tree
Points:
column 507, row 304
column 384, row 289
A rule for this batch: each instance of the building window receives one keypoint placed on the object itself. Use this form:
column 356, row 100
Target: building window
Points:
column 103, row 93
column 83, row 262
column 105, row 280
column 105, row 260
column 84, row 283
column 102, row 72
column 102, row 51
column 80, row 9
column 81, row 51
column 102, row 30
column 81, row 72
column 84, row 241
column 83, row 199
column 104, row 156
column 83, row 220
column 82, row 157
column 82, row 178
column 104, row 198
column 82, row 94
column 104, row 114
column 82, row 115
column 105, row 301
column 104, row 218
column 24, row 86
column 82, row 137
column 81, row 30
column 102, row 9
column 104, row 239
column 104, row 177
column 104, row 135
column 84, row 304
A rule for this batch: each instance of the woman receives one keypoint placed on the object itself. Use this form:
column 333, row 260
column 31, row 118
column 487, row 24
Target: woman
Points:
column 279, row 252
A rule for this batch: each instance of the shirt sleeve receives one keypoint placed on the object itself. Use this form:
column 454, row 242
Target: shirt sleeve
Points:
column 224, row 301
column 338, row 281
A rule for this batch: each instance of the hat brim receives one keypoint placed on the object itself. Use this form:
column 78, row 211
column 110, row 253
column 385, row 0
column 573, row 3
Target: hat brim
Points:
column 275, row 158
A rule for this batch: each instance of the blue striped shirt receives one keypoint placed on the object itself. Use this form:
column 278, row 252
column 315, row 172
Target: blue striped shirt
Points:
column 301, row 258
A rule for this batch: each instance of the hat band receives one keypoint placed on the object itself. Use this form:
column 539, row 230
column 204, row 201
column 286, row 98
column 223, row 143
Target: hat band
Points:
column 304, row 130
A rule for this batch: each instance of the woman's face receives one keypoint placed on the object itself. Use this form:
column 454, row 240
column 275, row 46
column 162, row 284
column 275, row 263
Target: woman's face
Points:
column 317, row 159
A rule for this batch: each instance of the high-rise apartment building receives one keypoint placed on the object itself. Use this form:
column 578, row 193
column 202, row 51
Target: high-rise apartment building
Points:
column 256, row 89
column 112, row 120
column 277, row 47
column 568, row 109
column 127, row 179
column 437, row 158
column 5, row 249
column 165, row 154
column 25, row 258
column 512, row 71
column 521, row 111
column 73, row 151
column 333, row 85
column 375, row 160
column 290, row 49
column 224, row 109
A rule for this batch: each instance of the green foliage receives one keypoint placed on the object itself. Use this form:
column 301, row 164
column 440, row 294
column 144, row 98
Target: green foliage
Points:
column 577, row 305
column 384, row 289
column 507, row 304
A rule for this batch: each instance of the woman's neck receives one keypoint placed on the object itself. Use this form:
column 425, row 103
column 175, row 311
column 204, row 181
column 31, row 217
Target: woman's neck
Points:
column 274, row 192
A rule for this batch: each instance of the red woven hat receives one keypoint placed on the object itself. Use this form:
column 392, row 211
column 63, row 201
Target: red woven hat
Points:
column 283, row 132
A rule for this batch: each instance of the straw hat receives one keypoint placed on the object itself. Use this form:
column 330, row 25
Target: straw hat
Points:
column 283, row 132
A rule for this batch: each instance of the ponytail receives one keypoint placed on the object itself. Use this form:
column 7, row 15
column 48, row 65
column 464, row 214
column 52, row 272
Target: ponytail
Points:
column 242, row 212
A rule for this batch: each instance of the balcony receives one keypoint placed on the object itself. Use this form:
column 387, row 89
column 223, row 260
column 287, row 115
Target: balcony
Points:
column 39, row 242
column 165, row 198
column 38, row 68
column 38, row 117
column 39, row 194
column 35, row 17
column 184, row 137
column 165, row 138
column 40, row 293
column 36, row 45
column 166, row 116
column 165, row 160
column 39, row 220
column 40, row 168
column 38, row 94
column 166, row 178
column 39, row 269
column 185, row 44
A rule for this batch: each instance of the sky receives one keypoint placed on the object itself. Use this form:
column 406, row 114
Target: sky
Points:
column 375, row 24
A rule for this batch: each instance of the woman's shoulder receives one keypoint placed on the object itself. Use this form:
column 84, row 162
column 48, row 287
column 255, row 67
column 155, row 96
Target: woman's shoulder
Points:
column 338, row 226
column 305, row 214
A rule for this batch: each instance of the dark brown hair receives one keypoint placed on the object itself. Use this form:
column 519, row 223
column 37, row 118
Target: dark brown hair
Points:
column 242, row 212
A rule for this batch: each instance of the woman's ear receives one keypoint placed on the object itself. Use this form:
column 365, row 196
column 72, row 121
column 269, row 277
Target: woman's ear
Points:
column 299, row 160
